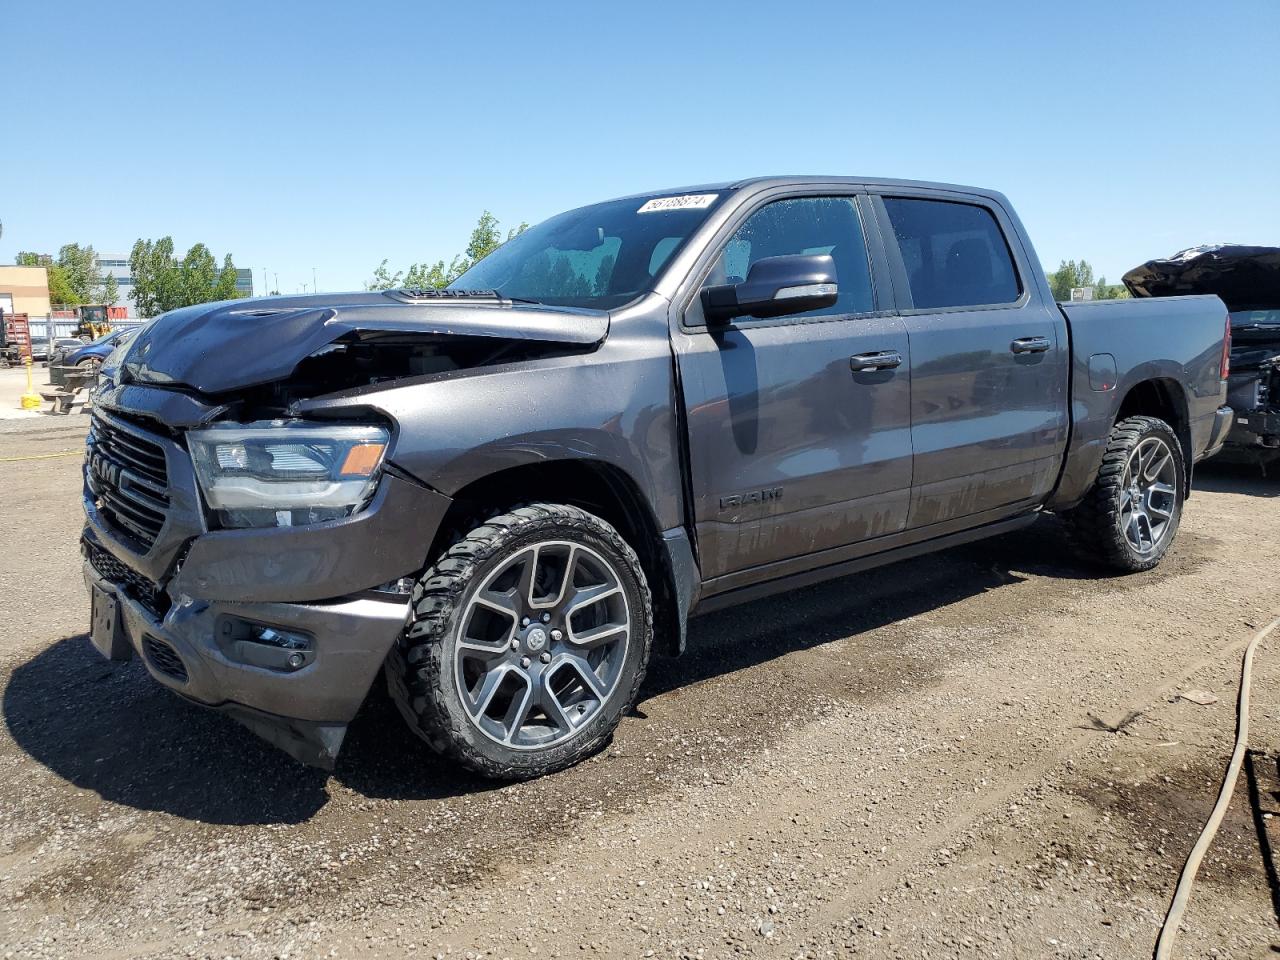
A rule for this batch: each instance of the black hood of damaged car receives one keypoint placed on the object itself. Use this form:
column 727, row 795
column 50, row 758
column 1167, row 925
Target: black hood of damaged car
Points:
column 233, row 344
column 1246, row 278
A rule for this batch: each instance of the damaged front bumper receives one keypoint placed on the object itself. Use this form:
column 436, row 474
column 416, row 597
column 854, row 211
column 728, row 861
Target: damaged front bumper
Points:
column 202, row 651
column 283, row 628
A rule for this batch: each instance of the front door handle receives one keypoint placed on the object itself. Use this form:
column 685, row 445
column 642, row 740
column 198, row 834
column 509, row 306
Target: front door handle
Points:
column 1030, row 345
column 870, row 362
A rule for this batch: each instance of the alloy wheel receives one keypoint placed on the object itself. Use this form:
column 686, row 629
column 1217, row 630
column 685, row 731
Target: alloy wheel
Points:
column 542, row 644
column 1148, row 494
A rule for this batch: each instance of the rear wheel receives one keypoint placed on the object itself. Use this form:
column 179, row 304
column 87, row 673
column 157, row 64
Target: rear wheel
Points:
column 1130, row 516
column 527, row 642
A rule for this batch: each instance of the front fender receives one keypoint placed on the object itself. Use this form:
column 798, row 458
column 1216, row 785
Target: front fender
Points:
column 612, row 407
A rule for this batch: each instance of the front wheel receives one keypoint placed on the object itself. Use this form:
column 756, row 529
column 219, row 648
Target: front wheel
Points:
column 1130, row 516
column 527, row 642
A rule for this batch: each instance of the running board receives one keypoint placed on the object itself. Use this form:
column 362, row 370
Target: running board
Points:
column 806, row 578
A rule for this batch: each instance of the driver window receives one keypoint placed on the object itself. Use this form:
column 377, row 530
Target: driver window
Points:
column 804, row 225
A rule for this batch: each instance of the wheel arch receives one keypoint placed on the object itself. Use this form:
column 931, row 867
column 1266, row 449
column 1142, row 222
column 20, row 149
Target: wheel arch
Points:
column 1164, row 398
column 603, row 489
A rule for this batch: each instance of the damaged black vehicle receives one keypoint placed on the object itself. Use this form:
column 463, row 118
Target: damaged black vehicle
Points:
column 1247, row 279
column 503, row 496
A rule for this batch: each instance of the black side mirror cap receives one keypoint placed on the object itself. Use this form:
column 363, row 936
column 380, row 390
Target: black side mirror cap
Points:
column 775, row 287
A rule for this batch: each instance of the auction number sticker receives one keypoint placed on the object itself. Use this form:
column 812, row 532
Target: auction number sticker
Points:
column 690, row 201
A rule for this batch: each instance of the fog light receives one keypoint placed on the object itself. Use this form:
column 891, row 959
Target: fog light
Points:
column 260, row 645
column 275, row 637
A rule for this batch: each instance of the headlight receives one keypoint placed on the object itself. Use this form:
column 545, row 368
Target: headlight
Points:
column 281, row 473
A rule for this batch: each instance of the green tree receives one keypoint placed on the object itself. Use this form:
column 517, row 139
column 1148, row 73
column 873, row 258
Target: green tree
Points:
column 60, row 290
column 80, row 266
column 225, row 287
column 110, row 289
column 1068, row 275
column 1109, row 291
column 199, row 273
column 161, row 282
column 384, row 279
column 1072, row 274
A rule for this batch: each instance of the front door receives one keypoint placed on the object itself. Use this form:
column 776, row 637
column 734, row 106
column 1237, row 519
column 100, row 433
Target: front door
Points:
column 794, row 447
column 989, row 362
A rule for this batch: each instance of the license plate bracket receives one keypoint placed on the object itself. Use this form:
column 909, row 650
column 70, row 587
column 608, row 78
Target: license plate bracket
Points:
column 106, row 632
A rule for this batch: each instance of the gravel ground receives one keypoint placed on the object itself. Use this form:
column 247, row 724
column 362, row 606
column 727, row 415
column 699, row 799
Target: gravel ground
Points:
column 979, row 753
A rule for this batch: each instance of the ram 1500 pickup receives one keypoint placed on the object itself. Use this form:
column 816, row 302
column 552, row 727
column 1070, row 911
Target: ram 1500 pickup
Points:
column 505, row 494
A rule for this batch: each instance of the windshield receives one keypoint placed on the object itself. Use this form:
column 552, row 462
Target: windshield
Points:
column 108, row 337
column 600, row 256
column 1255, row 318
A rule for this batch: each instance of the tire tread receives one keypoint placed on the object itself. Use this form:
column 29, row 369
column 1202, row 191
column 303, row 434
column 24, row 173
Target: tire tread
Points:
column 417, row 661
column 1093, row 526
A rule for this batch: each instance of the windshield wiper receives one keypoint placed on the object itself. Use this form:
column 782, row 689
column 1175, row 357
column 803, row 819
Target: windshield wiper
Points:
column 498, row 293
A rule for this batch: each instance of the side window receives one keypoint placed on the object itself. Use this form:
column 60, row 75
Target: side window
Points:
column 955, row 253
column 804, row 225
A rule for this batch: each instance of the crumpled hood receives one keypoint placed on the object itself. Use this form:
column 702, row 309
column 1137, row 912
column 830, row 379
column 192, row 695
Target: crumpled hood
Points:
column 1246, row 278
column 233, row 344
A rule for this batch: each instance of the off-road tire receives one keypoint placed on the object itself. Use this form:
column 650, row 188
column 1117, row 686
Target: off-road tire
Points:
column 420, row 668
column 1094, row 526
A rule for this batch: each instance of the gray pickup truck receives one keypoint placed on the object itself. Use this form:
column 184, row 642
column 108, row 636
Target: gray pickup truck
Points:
column 506, row 494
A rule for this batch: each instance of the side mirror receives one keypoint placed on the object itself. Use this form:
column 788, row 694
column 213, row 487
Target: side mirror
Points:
column 775, row 287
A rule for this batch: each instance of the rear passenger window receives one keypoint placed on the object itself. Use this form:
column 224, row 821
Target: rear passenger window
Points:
column 804, row 225
column 955, row 254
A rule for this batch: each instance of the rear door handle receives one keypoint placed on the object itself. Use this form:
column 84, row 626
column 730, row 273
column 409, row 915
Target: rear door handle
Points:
column 1030, row 345
column 880, row 360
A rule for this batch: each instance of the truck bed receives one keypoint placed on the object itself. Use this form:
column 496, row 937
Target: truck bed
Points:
column 1116, row 344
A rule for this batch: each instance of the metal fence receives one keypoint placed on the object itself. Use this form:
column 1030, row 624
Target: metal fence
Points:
column 62, row 327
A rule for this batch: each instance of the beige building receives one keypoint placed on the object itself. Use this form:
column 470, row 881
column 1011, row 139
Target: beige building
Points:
column 24, row 290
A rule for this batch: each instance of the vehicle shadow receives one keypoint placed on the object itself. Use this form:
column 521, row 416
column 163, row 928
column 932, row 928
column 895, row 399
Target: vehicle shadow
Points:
column 107, row 728
column 743, row 636
column 1246, row 478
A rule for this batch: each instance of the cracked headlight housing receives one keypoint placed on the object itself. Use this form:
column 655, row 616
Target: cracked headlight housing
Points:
column 283, row 473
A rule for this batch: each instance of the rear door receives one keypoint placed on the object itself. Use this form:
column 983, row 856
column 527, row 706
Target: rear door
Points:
column 794, row 449
column 989, row 359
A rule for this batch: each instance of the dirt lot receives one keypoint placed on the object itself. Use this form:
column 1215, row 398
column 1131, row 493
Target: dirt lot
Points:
column 980, row 753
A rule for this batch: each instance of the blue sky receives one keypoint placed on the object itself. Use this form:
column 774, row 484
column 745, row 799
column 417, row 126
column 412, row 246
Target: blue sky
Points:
column 331, row 135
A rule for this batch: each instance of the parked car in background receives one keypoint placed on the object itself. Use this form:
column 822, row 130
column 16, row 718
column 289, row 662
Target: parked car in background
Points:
column 80, row 354
column 1247, row 279
column 509, row 492
column 39, row 348
column 61, row 346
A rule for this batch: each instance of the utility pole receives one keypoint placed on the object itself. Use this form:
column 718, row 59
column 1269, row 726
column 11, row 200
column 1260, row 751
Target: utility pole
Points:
column 276, row 288
column 315, row 287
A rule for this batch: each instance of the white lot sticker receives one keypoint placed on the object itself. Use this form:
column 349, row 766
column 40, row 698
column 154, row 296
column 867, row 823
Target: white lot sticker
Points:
column 690, row 201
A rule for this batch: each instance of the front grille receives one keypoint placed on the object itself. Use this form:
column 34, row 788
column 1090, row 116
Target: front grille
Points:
column 149, row 594
column 164, row 658
column 129, row 476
